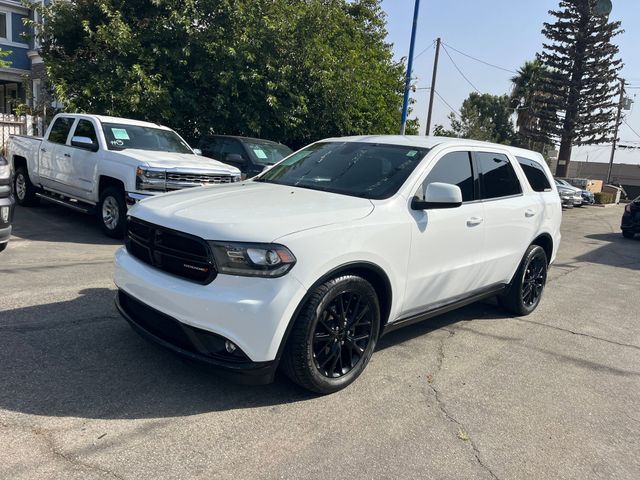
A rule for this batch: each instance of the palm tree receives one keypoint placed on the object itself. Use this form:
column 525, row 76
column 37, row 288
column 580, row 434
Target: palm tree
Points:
column 526, row 96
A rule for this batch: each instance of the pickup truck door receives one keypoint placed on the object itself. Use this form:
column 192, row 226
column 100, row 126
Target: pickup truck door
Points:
column 81, row 162
column 48, row 167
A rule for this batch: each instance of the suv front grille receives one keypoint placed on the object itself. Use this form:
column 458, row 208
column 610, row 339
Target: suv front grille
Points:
column 181, row 180
column 177, row 253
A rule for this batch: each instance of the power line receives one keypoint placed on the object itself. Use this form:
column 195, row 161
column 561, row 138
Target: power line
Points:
column 460, row 71
column 481, row 61
column 423, row 51
column 630, row 127
column 446, row 103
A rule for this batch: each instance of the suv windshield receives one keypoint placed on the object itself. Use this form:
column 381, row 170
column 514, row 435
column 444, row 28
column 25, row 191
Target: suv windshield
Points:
column 366, row 170
column 267, row 153
column 121, row 136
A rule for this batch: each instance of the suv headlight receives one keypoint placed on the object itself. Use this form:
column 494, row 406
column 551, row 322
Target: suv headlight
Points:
column 252, row 259
column 151, row 179
column 5, row 168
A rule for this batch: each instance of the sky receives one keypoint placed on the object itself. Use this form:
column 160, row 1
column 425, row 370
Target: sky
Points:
column 505, row 33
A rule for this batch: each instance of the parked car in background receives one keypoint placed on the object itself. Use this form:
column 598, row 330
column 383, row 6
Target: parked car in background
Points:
column 567, row 197
column 309, row 263
column 576, row 197
column 250, row 155
column 588, row 198
column 94, row 163
column 6, row 202
column 631, row 219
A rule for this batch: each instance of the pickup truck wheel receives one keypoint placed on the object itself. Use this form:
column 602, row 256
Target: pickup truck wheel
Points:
column 334, row 335
column 524, row 293
column 24, row 189
column 112, row 211
column 628, row 233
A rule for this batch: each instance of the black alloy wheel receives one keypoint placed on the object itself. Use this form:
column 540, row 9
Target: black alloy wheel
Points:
column 525, row 291
column 342, row 334
column 535, row 277
column 333, row 335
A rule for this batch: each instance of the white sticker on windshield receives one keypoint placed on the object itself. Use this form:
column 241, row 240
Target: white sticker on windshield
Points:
column 260, row 153
column 412, row 153
column 120, row 134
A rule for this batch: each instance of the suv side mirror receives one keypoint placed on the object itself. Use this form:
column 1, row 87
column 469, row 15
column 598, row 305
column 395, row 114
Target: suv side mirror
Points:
column 85, row 143
column 197, row 151
column 235, row 157
column 438, row 195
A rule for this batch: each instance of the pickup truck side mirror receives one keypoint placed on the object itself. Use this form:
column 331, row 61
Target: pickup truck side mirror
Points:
column 438, row 195
column 197, row 151
column 85, row 143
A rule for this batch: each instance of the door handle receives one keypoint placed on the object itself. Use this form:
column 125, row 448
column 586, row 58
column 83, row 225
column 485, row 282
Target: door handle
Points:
column 474, row 221
column 529, row 213
column 43, row 150
column 67, row 155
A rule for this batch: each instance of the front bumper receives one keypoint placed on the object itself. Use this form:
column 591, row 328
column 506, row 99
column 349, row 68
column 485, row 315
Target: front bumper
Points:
column 5, row 227
column 631, row 222
column 192, row 343
column 253, row 313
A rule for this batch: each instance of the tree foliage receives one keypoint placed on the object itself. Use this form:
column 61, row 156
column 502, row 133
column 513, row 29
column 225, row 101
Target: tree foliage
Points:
column 288, row 70
column 482, row 117
column 527, row 98
column 579, row 105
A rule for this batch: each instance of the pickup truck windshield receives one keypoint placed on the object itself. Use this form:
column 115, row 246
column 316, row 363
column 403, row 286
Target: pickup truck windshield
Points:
column 365, row 170
column 267, row 153
column 122, row 136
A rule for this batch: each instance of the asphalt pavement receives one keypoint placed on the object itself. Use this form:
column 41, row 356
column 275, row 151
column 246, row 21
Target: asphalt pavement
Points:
column 474, row 394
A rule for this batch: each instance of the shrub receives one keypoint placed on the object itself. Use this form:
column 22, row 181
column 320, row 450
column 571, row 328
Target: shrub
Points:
column 603, row 198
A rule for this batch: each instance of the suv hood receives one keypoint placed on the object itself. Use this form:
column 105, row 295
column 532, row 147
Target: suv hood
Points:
column 249, row 211
column 180, row 161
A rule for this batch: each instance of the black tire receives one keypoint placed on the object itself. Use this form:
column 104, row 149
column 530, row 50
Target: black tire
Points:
column 525, row 291
column 112, row 212
column 628, row 234
column 24, row 190
column 321, row 335
column 3, row 246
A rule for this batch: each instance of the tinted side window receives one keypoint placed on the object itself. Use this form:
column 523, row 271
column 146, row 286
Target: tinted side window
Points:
column 453, row 168
column 497, row 176
column 85, row 129
column 535, row 174
column 229, row 147
column 210, row 146
column 60, row 130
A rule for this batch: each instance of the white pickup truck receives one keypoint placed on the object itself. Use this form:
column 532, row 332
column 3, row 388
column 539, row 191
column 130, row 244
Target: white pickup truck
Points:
column 100, row 164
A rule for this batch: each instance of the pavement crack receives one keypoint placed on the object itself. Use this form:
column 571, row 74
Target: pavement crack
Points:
column 581, row 334
column 69, row 459
column 445, row 412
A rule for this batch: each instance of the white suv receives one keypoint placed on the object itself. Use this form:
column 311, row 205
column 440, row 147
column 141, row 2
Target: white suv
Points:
column 306, row 265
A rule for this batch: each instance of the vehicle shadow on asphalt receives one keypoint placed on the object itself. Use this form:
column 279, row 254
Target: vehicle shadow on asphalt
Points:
column 616, row 252
column 81, row 359
column 52, row 223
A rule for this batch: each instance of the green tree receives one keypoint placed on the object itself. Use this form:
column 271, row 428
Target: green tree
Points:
column 287, row 70
column 3, row 55
column 580, row 88
column 482, row 117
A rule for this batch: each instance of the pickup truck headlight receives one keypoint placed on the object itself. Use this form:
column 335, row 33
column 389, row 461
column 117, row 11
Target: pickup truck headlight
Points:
column 151, row 179
column 252, row 259
column 5, row 168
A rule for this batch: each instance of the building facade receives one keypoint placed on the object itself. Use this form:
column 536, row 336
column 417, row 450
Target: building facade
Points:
column 21, row 82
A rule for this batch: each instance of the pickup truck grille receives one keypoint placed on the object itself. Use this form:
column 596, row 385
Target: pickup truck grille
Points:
column 177, row 253
column 181, row 180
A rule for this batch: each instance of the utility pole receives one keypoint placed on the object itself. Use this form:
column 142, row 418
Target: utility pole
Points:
column 615, row 135
column 407, row 85
column 433, row 85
